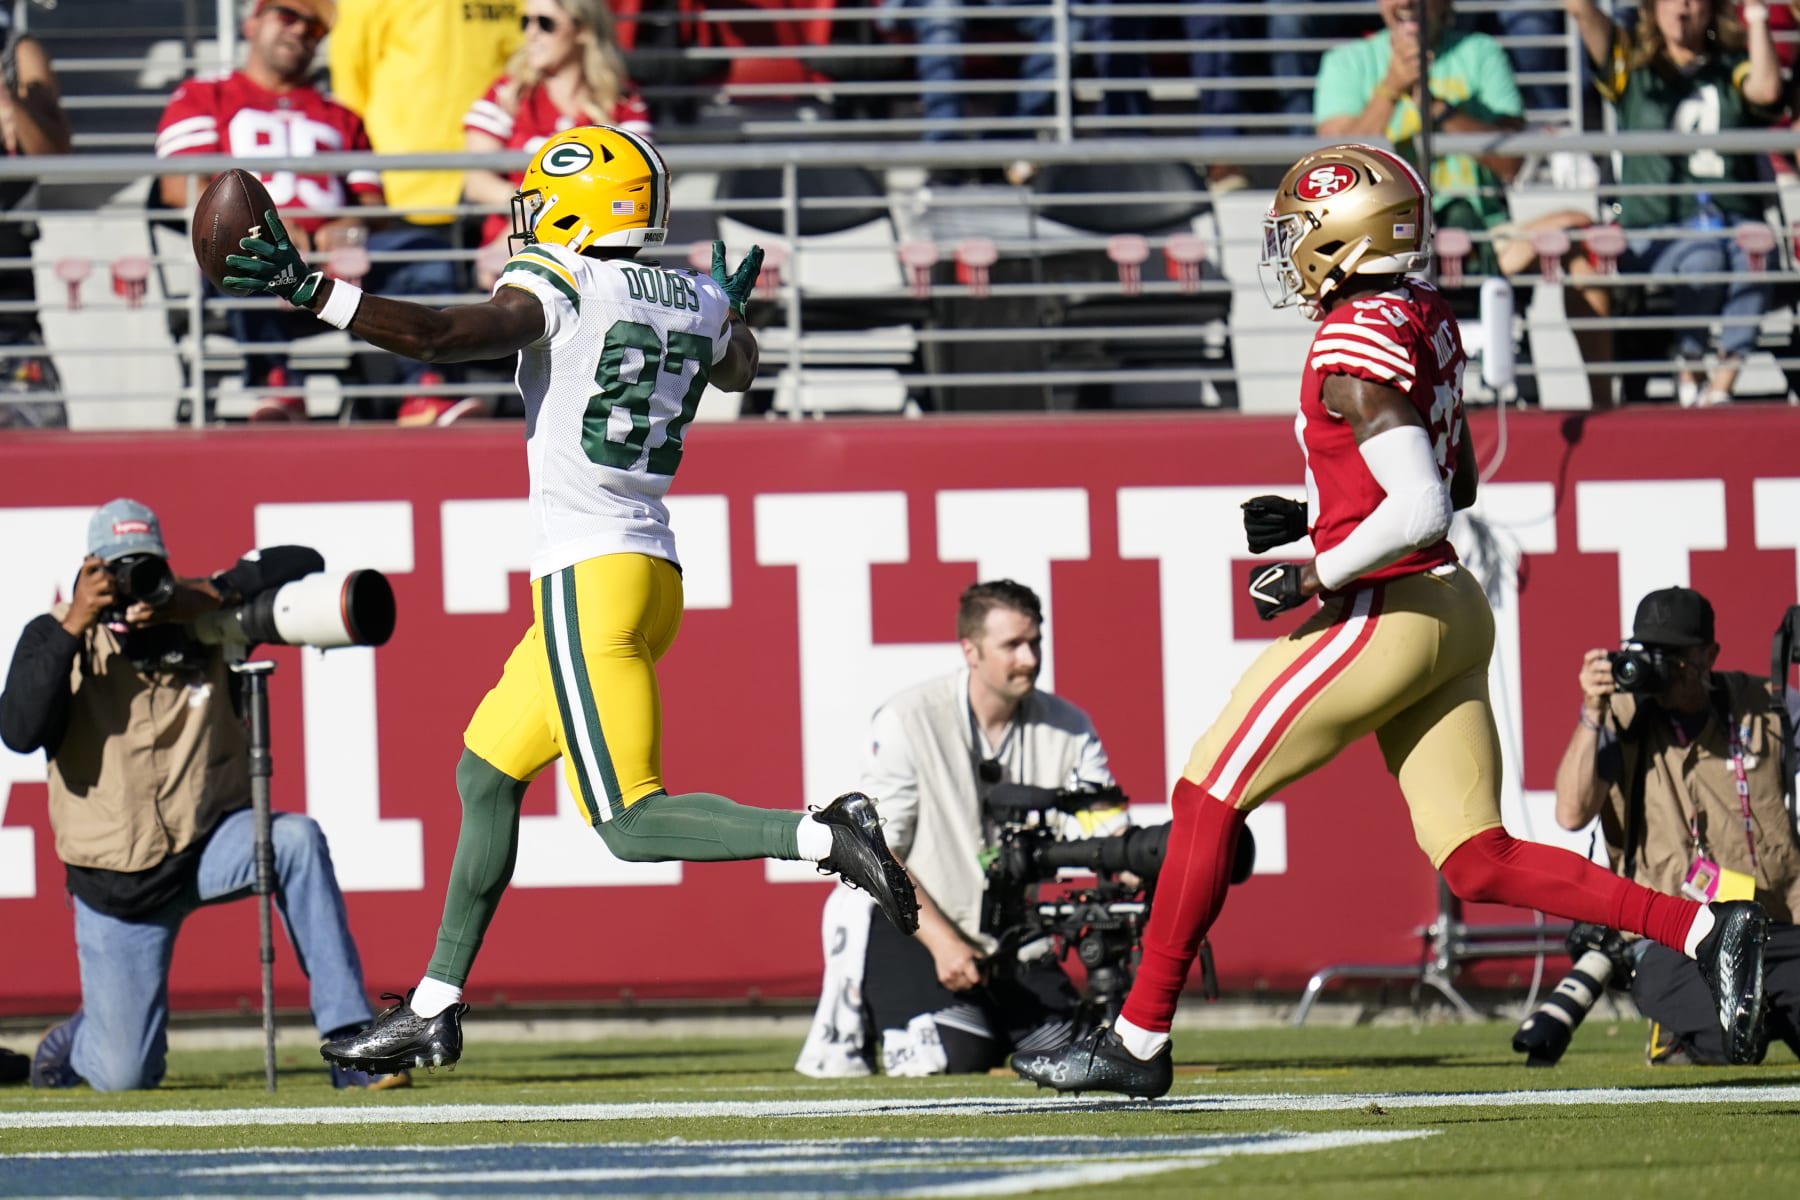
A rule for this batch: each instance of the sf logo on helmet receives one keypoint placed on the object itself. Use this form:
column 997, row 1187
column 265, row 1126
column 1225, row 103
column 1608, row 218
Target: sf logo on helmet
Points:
column 570, row 158
column 1322, row 182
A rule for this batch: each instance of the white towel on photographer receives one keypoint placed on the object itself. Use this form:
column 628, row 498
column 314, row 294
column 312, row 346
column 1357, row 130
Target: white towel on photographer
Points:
column 837, row 1045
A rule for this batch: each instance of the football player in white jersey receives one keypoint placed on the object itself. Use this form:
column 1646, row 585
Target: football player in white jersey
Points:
column 613, row 358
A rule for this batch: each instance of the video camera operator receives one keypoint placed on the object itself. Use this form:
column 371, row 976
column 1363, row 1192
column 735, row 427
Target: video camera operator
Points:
column 149, row 780
column 937, row 1001
column 1683, row 766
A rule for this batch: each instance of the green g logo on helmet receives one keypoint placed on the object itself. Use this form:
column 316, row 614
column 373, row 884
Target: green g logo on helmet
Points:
column 570, row 158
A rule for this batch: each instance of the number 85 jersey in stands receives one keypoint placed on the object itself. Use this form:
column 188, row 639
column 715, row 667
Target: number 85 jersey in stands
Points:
column 609, row 391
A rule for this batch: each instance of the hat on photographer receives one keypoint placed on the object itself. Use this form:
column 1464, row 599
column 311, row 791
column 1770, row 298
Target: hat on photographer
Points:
column 1674, row 616
column 122, row 527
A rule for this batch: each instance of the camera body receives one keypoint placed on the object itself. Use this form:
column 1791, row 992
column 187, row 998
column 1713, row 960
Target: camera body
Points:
column 142, row 578
column 1638, row 669
column 1102, row 924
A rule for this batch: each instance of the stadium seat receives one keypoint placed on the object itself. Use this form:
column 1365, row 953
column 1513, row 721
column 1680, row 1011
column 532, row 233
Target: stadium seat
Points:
column 856, row 310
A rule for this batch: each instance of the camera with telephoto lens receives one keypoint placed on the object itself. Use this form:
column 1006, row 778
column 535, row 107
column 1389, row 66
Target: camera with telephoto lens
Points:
column 1639, row 668
column 1102, row 925
column 323, row 610
column 142, row 579
column 1601, row 958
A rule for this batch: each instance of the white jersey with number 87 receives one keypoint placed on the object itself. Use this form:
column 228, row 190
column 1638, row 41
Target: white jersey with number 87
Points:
column 609, row 391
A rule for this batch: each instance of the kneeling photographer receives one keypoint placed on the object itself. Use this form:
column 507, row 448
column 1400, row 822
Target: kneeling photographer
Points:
column 1684, row 767
column 126, row 690
column 937, row 1002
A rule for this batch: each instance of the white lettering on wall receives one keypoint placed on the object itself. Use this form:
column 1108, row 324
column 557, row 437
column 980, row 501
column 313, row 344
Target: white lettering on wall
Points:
column 1652, row 525
column 43, row 554
column 1778, row 520
column 343, row 767
column 1195, row 534
column 832, row 538
column 1016, row 534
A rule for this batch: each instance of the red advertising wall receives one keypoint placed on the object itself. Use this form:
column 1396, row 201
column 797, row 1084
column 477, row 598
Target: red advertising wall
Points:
column 823, row 560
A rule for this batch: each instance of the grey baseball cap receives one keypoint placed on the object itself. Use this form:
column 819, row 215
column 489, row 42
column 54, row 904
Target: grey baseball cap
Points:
column 120, row 527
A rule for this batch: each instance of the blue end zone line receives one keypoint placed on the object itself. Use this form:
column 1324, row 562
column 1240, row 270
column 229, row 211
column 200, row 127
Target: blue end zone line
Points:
column 446, row 1114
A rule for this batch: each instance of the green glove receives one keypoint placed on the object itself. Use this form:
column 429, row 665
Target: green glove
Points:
column 271, row 264
column 740, row 283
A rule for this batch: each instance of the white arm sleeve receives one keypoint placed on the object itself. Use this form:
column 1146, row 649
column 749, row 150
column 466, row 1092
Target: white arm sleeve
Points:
column 1415, row 512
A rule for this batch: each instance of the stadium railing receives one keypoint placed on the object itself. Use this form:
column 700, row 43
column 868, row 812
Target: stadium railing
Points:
column 876, row 299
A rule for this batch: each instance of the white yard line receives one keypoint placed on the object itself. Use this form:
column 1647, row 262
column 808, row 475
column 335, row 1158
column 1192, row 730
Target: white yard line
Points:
column 448, row 1114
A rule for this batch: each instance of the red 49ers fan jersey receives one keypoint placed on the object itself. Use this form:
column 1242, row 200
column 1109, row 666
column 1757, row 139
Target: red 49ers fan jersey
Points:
column 1406, row 339
column 229, row 114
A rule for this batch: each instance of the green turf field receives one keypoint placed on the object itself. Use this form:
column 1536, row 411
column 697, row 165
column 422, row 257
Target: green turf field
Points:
column 1460, row 1114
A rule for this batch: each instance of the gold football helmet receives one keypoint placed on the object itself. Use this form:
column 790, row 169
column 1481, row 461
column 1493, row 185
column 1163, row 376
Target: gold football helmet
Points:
column 1342, row 211
column 593, row 185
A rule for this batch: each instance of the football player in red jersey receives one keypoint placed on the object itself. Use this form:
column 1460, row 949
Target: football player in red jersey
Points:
column 1399, row 646
column 268, row 109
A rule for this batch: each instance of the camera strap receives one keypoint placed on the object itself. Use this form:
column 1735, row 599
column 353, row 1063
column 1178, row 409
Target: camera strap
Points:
column 1784, row 653
column 1632, row 735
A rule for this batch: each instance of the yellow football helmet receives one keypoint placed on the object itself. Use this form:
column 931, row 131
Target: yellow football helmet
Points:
column 593, row 185
column 1342, row 211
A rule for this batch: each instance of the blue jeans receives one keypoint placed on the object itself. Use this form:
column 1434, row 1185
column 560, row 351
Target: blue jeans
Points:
column 1740, row 298
column 1531, row 21
column 944, row 32
column 123, row 1040
column 1205, row 65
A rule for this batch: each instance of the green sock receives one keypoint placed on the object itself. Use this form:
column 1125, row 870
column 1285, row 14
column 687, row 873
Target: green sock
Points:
column 486, row 849
column 699, row 827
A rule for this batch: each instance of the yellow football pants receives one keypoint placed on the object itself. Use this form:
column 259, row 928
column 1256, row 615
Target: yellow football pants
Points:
column 581, row 683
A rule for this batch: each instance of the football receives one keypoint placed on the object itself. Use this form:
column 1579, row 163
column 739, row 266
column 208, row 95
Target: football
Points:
column 231, row 206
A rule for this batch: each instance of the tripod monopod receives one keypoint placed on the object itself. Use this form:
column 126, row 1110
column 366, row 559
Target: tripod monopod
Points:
column 256, row 710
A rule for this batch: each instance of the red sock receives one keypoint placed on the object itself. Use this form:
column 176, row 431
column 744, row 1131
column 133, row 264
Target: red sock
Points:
column 1190, row 892
column 1495, row 867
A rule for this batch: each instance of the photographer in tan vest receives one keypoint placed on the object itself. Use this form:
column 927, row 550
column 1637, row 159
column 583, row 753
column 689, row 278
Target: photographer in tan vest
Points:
column 149, row 781
column 1683, row 766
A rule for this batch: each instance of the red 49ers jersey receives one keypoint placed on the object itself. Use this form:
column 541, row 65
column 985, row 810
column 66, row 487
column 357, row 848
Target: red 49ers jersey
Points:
column 229, row 114
column 1406, row 339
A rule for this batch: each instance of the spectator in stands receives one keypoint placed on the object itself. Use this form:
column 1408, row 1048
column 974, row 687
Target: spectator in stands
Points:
column 942, row 32
column 1692, row 67
column 32, row 122
column 1287, row 21
column 410, row 68
column 269, row 109
column 567, row 72
column 1215, row 71
column 1535, row 20
column 936, row 1000
column 150, row 798
column 1367, row 89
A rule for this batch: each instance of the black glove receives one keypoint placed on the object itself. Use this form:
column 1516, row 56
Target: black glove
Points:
column 269, row 567
column 1276, row 588
column 1585, row 936
column 1271, row 521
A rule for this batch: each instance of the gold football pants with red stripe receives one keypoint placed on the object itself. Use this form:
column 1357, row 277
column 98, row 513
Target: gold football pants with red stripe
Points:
column 1405, row 659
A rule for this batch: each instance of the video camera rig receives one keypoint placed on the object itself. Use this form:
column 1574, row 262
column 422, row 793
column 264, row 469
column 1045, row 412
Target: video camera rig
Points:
column 1102, row 924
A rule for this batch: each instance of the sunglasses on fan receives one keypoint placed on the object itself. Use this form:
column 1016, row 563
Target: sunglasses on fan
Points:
column 311, row 26
column 544, row 22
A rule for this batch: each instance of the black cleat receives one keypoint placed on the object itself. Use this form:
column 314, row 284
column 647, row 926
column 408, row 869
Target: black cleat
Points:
column 860, row 856
column 400, row 1038
column 1731, row 960
column 1098, row 1062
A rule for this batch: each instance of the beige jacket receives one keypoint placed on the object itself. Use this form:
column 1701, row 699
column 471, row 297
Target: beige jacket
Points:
column 148, row 763
column 1699, row 781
